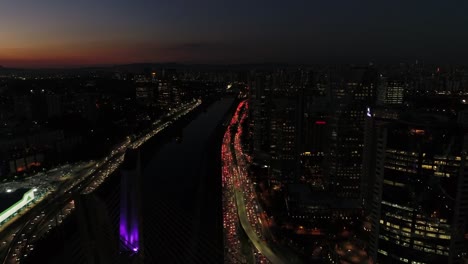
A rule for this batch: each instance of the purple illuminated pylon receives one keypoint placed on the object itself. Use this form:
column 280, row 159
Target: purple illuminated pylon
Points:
column 129, row 227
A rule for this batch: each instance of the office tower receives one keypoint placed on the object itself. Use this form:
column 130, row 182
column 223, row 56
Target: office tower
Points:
column 283, row 136
column 176, row 94
column 313, row 128
column 315, row 147
column 169, row 94
column 419, row 202
column 286, row 112
column 352, row 96
column 130, row 204
column 144, row 93
column 164, row 94
column 260, row 97
column 390, row 92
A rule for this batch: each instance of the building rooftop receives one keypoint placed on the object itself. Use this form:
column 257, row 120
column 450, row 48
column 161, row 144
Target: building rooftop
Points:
column 7, row 199
column 349, row 252
column 302, row 194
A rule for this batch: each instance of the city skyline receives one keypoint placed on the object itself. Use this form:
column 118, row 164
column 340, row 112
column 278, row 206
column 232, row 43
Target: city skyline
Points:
column 59, row 34
column 234, row 164
column 236, row 132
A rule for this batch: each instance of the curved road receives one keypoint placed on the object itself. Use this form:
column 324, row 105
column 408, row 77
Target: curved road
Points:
column 259, row 244
column 241, row 184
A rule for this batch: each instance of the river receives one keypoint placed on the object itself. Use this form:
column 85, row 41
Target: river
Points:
column 181, row 199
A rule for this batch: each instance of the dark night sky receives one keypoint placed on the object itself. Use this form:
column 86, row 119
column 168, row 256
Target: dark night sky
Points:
column 87, row 32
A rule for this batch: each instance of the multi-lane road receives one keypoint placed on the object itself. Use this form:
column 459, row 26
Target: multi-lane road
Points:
column 22, row 234
column 239, row 196
column 232, row 242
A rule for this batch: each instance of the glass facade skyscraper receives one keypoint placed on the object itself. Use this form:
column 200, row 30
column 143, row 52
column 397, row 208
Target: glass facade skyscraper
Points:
column 419, row 199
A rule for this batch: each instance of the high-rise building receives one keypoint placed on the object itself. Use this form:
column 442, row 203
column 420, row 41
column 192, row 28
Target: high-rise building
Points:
column 169, row 94
column 390, row 92
column 283, row 136
column 176, row 94
column 352, row 97
column 260, row 97
column 164, row 94
column 315, row 146
column 313, row 129
column 145, row 93
column 415, row 163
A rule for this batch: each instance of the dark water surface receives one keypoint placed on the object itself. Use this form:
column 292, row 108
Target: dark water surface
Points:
column 182, row 213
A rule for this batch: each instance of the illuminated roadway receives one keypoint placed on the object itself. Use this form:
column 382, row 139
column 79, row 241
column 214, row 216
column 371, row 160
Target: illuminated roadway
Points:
column 259, row 244
column 235, row 181
column 232, row 243
column 45, row 215
column 245, row 188
column 249, row 211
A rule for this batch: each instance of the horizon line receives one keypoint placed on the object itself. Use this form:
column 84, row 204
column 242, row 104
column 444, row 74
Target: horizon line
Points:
column 110, row 65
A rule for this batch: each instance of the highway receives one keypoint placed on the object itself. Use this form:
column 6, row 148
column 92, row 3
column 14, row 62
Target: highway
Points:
column 259, row 244
column 233, row 244
column 84, row 178
column 55, row 179
column 247, row 204
column 238, row 186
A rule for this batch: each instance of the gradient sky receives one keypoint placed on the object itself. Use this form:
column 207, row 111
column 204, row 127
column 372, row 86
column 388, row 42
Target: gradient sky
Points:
column 56, row 33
